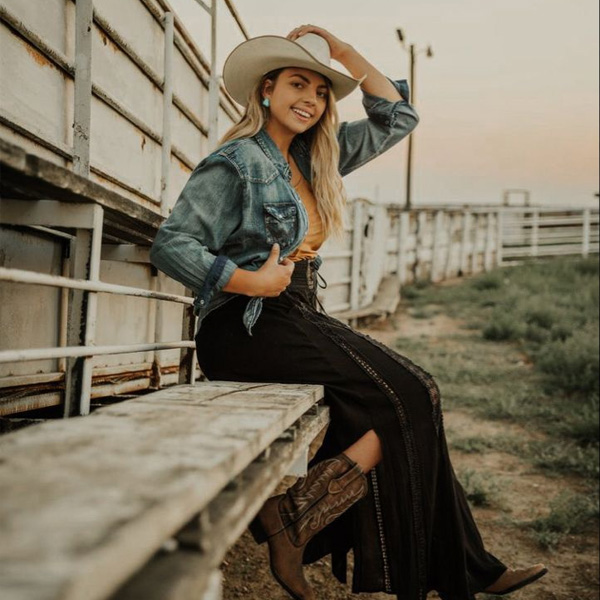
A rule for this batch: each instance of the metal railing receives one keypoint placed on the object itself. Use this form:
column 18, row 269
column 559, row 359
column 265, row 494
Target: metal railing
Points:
column 80, row 270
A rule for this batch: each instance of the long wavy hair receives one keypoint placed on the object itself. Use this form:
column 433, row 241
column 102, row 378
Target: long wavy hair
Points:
column 325, row 153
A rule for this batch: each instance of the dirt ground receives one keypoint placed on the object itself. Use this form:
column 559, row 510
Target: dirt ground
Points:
column 573, row 568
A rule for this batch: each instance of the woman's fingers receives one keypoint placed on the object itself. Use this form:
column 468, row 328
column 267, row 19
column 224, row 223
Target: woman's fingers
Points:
column 303, row 29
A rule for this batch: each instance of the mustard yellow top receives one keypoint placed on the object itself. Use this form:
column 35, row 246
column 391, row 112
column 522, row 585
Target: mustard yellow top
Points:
column 314, row 236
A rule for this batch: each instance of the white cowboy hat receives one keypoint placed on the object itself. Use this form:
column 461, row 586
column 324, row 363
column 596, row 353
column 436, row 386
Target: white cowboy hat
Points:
column 252, row 59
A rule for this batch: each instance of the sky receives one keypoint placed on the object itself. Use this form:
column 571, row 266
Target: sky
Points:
column 509, row 99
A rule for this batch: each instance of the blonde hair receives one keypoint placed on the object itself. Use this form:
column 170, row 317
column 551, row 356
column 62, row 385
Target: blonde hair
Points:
column 325, row 154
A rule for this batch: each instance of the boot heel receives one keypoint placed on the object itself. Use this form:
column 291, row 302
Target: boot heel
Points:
column 258, row 531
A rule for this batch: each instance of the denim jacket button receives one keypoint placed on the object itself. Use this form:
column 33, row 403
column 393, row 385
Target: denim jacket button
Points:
column 202, row 302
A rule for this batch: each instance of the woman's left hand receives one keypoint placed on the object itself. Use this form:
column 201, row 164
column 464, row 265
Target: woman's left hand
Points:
column 337, row 48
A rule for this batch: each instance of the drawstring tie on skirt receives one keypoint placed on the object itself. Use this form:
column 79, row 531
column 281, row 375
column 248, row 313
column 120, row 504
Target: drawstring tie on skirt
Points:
column 306, row 281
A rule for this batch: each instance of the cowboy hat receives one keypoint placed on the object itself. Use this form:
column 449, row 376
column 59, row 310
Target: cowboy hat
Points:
column 252, row 59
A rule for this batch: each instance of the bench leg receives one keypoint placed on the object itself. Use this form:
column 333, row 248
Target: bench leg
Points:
column 300, row 467
column 214, row 589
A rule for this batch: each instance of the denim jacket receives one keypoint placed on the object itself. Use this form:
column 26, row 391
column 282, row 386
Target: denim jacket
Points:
column 239, row 201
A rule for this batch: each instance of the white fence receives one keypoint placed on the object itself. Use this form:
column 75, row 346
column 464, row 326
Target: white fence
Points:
column 438, row 243
column 544, row 231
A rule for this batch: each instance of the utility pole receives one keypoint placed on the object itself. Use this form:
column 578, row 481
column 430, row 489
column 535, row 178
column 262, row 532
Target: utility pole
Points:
column 409, row 160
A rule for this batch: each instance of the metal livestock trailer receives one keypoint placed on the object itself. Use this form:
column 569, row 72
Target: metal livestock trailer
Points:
column 105, row 109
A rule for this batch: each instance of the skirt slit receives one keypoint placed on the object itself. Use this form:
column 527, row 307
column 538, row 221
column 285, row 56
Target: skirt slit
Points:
column 413, row 532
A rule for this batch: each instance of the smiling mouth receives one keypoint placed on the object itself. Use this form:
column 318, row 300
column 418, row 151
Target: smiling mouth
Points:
column 302, row 114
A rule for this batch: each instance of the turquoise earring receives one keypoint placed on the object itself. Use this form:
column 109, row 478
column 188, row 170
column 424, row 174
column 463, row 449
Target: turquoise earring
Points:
column 266, row 102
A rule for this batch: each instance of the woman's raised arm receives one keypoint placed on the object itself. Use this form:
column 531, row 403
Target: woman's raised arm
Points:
column 390, row 117
column 374, row 82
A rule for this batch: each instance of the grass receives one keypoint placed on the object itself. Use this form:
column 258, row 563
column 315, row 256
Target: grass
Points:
column 569, row 514
column 545, row 370
column 528, row 354
column 480, row 488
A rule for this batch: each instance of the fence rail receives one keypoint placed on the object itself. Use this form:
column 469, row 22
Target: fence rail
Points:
column 441, row 242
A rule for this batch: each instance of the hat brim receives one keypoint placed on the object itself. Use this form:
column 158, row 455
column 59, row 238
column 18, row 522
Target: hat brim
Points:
column 252, row 59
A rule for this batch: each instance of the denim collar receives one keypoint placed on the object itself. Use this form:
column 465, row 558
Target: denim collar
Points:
column 270, row 148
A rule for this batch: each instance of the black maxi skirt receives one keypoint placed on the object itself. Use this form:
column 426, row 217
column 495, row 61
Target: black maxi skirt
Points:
column 413, row 532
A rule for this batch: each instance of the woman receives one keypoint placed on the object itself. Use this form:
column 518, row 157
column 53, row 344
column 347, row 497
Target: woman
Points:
column 244, row 236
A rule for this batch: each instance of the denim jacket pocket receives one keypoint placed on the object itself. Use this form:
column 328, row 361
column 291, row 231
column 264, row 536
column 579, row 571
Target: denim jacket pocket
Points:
column 280, row 222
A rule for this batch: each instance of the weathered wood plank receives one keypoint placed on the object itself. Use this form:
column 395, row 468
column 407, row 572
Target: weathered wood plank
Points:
column 183, row 574
column 92, row 498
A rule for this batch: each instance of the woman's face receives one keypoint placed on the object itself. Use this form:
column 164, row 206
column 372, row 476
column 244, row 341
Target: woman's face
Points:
column 298, row 99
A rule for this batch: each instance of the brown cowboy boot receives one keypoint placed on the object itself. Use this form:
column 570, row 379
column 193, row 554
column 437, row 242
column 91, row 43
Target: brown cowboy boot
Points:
column 514, row 579
column 288, row 521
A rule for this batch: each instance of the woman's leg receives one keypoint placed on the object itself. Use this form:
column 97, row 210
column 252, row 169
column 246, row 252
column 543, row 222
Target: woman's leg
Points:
column 366, row 451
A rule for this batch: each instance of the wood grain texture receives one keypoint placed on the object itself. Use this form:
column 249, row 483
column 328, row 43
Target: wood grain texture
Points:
column 87, row 501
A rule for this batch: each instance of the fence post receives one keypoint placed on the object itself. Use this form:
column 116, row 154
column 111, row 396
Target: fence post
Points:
column 499, row 237
column 403, row 230
column 535, row 232
column 357, row 237
column 84, row 12
column 488, row 242
column 451, row 226
column 475, row 244
column 419, row 244
column 436, row 243
column 464, row 247
column 585, row 246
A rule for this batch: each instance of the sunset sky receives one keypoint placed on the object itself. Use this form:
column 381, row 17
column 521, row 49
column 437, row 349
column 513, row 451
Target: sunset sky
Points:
column 509, row 99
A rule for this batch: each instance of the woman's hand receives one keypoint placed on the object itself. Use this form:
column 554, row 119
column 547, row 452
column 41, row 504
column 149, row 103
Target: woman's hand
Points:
column 274, row 276
column 337, row 48
column 371, row 80
column 270, row 280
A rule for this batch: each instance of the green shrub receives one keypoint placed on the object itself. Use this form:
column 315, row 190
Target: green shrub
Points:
column 581, row 425
column 573, row 364
column 588, row 266
column 425, row 312
column 543, row 318
column 503, row 327
column 471, row 444
column 565, row 457
column 480, row 489
column 561, row 331
column 569, row 513
column 409, row 292
column 422, row 284
column 535, row 333
column 488, row 281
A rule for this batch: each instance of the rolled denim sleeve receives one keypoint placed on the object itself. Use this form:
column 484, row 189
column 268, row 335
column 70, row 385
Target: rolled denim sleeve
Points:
column 188, row 244
column 386, row 124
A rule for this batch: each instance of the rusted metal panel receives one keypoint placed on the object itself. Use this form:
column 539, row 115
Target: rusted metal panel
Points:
column 136, row 24
column 37, row 94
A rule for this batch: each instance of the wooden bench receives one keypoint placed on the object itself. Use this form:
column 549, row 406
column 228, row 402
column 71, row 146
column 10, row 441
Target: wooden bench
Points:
column 143, row 498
